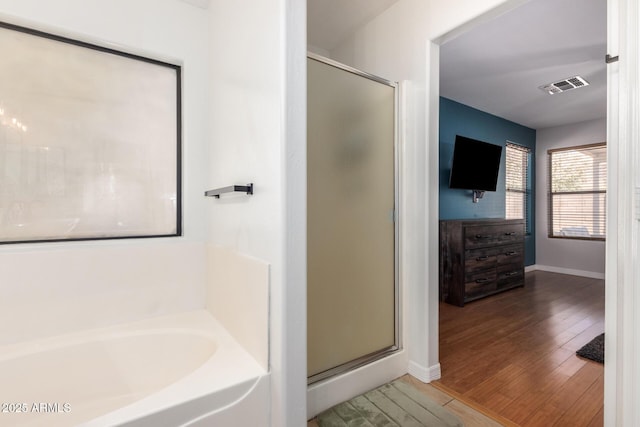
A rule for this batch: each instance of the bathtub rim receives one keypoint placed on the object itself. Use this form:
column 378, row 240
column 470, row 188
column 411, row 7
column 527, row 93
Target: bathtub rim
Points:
column 206, row 380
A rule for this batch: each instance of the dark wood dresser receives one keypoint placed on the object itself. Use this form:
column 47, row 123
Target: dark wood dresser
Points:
column 480, row 258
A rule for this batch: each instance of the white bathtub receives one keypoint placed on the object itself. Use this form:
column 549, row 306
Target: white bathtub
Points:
column 179, row 370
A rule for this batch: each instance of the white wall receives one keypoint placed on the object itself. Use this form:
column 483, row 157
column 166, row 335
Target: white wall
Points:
column 57, row 287
column 245, row 141
column 565, row 255
column 257, row 135
column 318, row 50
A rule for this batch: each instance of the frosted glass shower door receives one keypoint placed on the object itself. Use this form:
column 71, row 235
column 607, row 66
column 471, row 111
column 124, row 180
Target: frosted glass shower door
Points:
column 351, row 231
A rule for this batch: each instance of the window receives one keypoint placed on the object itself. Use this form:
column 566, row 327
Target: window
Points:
column 90, row 141
column 577, row 192
column 518, row 179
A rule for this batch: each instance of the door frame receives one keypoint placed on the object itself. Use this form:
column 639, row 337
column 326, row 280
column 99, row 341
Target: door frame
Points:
column 622, row 299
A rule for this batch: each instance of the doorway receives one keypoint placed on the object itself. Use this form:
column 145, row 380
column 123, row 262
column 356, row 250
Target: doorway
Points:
column 551, row 62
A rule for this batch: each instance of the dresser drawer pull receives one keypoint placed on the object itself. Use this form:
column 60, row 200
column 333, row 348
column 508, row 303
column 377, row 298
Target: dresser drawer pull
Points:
column 512, row 273
column 482, row 280
column 482, row 236
column 482, row 258
column 512, row 233
column 511, row 253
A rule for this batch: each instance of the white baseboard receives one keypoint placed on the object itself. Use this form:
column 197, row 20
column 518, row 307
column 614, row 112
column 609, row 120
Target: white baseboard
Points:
column 562, row 270
column 424, row 374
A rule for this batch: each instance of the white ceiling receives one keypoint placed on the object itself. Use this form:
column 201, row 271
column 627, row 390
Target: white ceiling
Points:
column 498, row 66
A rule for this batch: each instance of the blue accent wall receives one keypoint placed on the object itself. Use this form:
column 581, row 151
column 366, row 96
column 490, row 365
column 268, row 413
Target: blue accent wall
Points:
column 460, row 119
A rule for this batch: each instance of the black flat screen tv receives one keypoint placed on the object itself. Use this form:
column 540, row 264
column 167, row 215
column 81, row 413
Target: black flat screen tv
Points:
column 475, row 165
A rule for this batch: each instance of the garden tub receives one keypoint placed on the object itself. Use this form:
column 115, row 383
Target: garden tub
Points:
column 178, row 370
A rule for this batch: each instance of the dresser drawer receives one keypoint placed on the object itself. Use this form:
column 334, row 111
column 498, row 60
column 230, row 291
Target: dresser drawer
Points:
column 480, row 283
column 509, row 276
column 512, row 254
column 480, row 259
column 482, row 236
column 511, row 233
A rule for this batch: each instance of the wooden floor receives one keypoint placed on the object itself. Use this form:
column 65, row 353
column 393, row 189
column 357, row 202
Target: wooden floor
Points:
column 514, row 353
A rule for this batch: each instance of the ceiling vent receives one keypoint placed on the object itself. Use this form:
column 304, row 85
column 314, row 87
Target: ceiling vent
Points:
column 564, row 85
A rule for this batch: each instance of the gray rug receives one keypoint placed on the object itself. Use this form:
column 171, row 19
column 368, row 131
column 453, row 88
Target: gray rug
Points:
column 395, row 404
column 593, row 350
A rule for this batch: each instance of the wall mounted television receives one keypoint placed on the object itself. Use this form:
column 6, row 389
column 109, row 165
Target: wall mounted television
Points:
column 475, row 165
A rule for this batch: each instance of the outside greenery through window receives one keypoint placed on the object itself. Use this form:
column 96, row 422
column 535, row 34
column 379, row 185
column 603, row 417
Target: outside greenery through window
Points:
column 577, row 192
column 518, row 184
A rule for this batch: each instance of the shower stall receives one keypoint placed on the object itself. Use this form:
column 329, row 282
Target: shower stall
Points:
column 352, row 232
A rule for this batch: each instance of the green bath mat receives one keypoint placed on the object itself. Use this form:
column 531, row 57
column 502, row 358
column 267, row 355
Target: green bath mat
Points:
column 397, row 404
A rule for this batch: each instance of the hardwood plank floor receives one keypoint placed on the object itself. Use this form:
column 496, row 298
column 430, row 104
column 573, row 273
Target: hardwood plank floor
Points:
column 514, row 353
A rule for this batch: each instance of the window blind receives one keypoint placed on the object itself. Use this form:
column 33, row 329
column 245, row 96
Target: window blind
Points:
column 518, row 188
column 577, row 192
